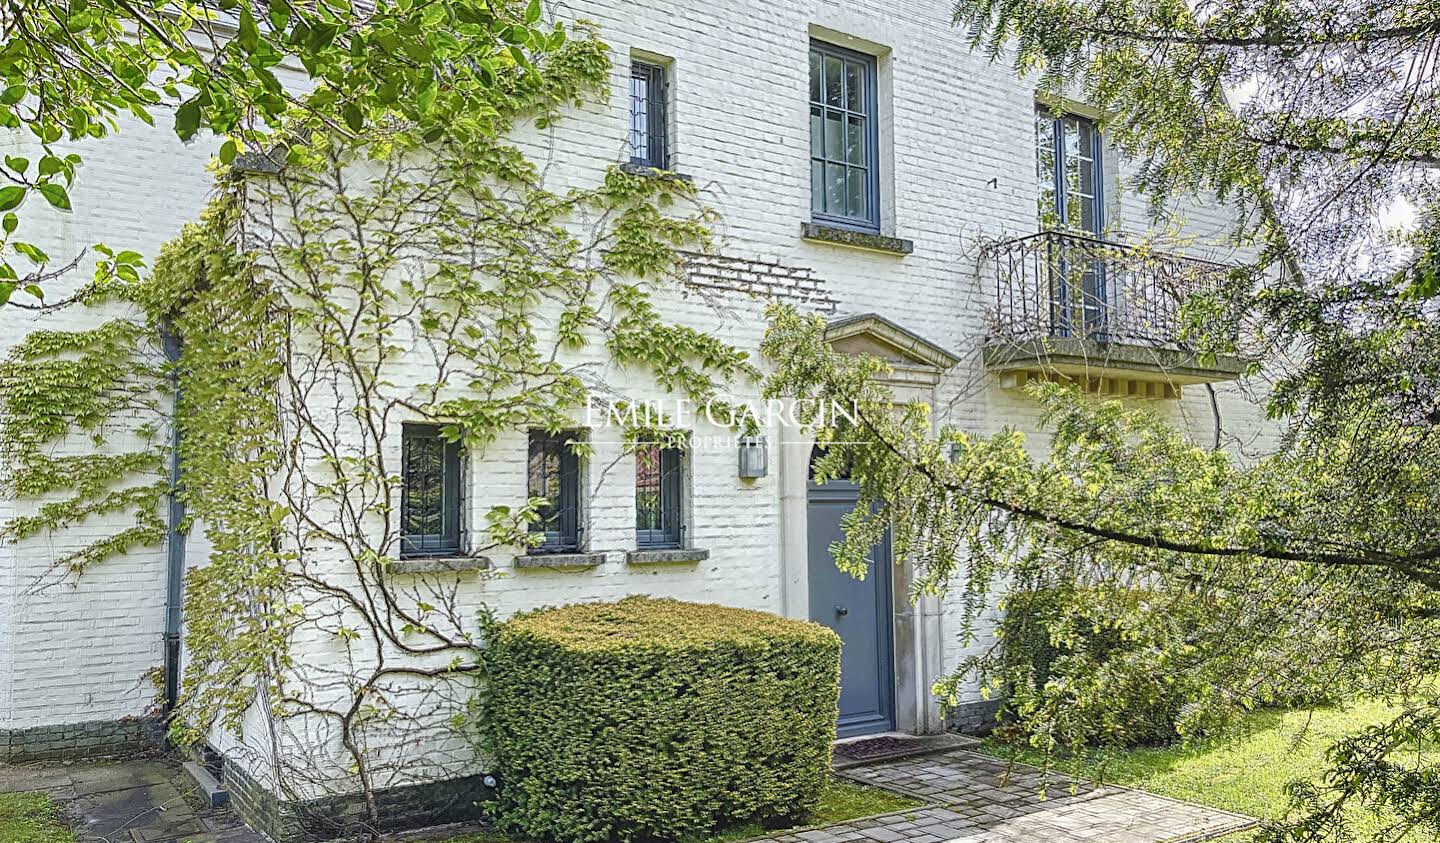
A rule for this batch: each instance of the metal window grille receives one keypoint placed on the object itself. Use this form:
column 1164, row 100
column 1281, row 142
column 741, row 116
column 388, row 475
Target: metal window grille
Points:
column 554, row 474
column 648, row 119
column 429, row 492
column 659, row 479
column 844, row 138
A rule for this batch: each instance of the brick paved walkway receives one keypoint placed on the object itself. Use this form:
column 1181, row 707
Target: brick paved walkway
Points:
column 971, row 801
column 137, row 801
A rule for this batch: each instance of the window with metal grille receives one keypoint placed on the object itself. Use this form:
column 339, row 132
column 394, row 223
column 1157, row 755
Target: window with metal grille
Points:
column 429, row 492
column 659, row 482
column 648, row 117
column 844, row 138
column 554, row 474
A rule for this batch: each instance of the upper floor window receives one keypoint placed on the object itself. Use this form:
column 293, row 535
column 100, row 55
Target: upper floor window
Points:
column 648, row 117
column 659, row 495
column 844, row 159
column 554, row 475
column 1067, row 157
column 429, row 492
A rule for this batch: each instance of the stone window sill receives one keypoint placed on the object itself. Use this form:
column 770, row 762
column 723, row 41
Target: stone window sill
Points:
column 653, row 172
column 661, row 557
column 560, row 560
column 439, row 564
column 836, row 236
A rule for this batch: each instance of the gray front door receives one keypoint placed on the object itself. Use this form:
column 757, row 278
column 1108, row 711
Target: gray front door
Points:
column 859, row 610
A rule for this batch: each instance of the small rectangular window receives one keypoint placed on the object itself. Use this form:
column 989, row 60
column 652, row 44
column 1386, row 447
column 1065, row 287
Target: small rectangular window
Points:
column 659, row 496
column 429, row 492
column 648, row 116
column 554, row 475
column 844, row 138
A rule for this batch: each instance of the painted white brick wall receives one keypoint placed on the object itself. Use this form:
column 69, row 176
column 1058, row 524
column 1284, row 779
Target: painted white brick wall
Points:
column 79, row 651
column 957, row 141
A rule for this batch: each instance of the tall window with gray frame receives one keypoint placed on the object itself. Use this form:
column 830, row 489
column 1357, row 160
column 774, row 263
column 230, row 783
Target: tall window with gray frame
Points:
column 429, row 492
column 1068, row 165
column 844, row 138
column 659, row 497
column 649, row 120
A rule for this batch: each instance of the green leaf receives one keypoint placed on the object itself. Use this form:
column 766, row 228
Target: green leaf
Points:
column 227, row 151
column 353, row 118
column 11, row 196
column 31, row 251
column 18, row 164
column 55, row 194
column 11, row 222
column 426, row 98
column 187, row 119
column 532, row 11
column 249, row 37
column 279, row 14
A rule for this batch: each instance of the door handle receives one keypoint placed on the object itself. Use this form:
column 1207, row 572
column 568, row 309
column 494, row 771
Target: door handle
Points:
column 841, row 610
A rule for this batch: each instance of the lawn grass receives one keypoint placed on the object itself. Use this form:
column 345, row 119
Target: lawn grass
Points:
column 840, row 801
column 31, row 818
column 1244, row 771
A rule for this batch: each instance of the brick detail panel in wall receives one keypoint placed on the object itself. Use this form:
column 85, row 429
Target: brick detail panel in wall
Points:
column 96, row 739
column 973, row 718
column 328, row 818
column 766, row 279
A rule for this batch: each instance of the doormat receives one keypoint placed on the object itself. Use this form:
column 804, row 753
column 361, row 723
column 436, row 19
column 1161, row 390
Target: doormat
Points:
column 881, row 747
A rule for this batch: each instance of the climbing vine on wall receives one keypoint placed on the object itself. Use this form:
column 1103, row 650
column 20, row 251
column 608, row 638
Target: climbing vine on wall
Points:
column 335, row 290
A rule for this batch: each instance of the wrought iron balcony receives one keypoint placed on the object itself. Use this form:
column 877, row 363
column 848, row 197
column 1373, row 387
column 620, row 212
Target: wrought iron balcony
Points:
column 1080, row 307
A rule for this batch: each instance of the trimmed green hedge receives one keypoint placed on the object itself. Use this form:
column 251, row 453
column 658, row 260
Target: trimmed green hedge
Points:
column 655, row 719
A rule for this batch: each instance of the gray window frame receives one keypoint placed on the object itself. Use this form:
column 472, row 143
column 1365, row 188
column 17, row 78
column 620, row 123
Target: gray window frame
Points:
column 560, row 529
column 871, row 103
column 671, row 482
column 1057, row 119
column 655, row 107
column 449, row 540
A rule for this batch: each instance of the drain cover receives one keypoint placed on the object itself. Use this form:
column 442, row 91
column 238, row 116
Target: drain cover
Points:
column 880, row 747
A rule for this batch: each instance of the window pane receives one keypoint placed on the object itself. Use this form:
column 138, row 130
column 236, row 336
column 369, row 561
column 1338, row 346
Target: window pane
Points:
column 817, row 186
column 834, row 136
column 854, row 86
column 855, row 141
column 817, row 133
column 423, row 488
column 1086, row 184
column 855, row 201
column 647, row 488
column 545, row 480
column 835, row 188
column 834, row 86
column 817, row 83
column 1045, row 170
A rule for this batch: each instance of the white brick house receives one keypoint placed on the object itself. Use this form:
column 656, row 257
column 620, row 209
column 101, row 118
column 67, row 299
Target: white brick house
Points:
column 938, row 161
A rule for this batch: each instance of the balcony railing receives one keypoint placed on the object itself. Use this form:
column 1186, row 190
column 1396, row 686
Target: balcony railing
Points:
column 1060, row 285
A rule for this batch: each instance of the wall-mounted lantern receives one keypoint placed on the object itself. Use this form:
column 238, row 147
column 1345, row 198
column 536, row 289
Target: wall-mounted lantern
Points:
column 754, row 460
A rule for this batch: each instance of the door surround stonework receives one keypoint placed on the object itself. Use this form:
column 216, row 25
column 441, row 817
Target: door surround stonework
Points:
column 917, row 366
